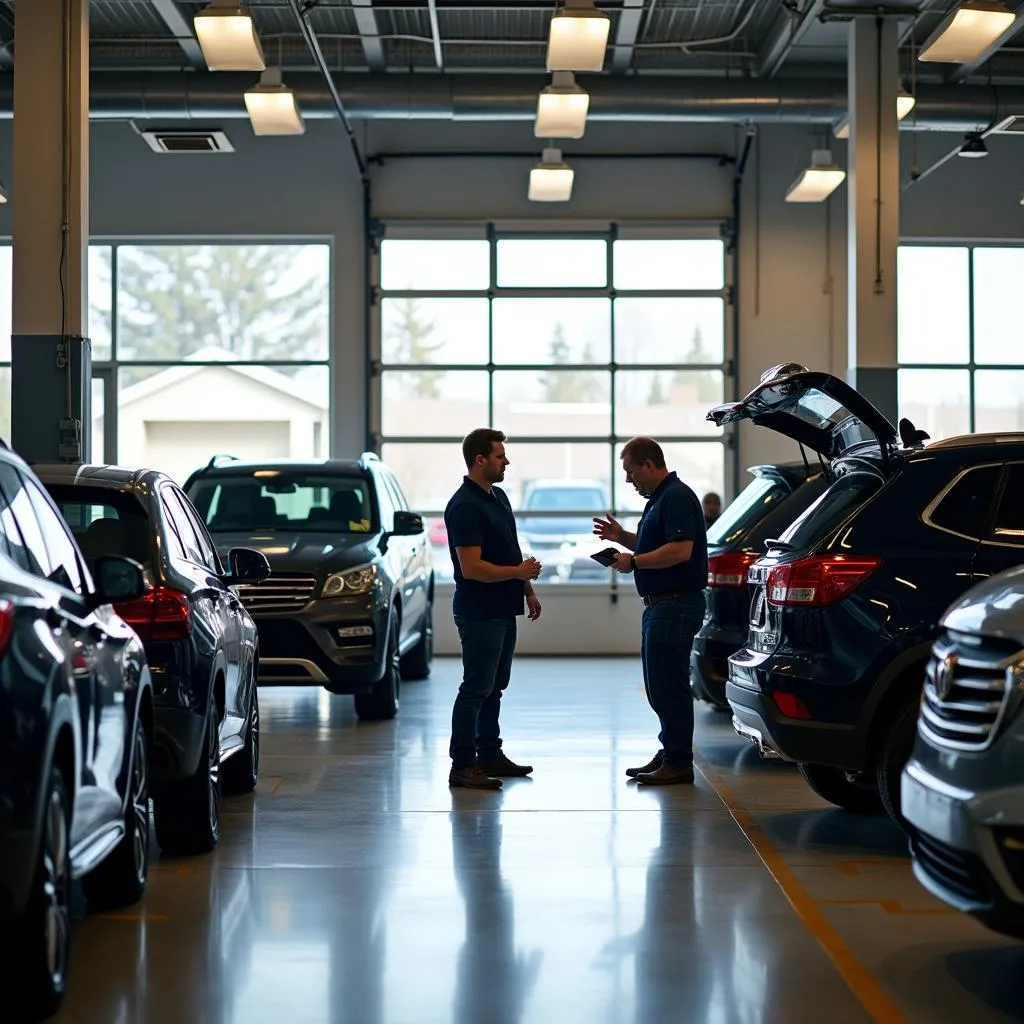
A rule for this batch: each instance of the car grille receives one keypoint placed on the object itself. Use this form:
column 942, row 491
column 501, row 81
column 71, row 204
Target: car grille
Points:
column 279, row 592
column 970, row 683
column 959, row 872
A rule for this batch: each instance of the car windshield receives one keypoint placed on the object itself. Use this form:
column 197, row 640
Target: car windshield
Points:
column 284, row 500
column 749, row 506
column 105, row 522
column 566, row 499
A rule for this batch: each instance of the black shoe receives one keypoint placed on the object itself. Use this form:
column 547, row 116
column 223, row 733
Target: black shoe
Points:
column 472, row 778
column 652, row 766
column 667, row 775
column 502, row 767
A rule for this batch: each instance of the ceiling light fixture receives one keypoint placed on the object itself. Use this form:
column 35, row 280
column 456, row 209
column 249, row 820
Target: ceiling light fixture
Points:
column 3, row 192
column 905, row 103
column 551, row 179
column 967, row 32
column 973, row 148
column 272, row 107
column 817, row 182
column 578, row 37
column 561, row 109
column 227, row 37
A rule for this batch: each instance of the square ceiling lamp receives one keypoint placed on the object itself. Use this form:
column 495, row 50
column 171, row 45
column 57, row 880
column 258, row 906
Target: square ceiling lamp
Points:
column 561, row 109
column 227, row 37
column 578, row 37
column 905, row 103
column 817, row 182
column 551, row 179
column 272, row 107
column 967, row 32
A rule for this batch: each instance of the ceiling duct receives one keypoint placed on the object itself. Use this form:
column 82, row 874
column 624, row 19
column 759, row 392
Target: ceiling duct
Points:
column 186, row 140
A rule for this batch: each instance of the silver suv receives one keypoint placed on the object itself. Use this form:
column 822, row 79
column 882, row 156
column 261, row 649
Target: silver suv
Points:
column 963, row 789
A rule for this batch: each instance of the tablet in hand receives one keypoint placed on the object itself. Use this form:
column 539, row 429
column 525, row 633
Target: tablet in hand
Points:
column 605, row 557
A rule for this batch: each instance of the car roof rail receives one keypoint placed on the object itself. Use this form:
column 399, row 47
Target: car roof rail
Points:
column 368, row 457
column 214, row 461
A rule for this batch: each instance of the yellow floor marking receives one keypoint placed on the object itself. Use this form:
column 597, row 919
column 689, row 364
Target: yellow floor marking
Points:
column 889, row 906
column 852, row 867
column 860, row 981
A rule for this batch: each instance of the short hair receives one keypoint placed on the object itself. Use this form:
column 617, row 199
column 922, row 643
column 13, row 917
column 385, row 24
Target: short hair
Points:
column 712, row 496
column 642, row 449
column 480, row 442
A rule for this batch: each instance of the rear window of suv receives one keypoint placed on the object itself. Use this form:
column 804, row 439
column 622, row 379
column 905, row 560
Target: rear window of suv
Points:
column 284, row 500
column 748, row 508
column 838, row 502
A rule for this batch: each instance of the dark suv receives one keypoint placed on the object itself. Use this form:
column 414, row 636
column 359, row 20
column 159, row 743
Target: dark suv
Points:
column 763, row 509
column 349, row 601
column 845, row 604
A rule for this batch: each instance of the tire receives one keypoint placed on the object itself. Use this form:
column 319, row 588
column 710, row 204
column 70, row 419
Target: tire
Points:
column 382, row 702
column 120, row 880
column 894, row 749
column 242, row 770
column 187, row 814
column 836, row 786
column 416, row 663
column 38, row 946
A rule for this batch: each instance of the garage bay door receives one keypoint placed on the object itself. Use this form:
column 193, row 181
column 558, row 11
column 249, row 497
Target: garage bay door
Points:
column 179, row 447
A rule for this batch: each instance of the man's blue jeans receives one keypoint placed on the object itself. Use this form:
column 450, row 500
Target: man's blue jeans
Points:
column 488, row 646
column 668, row 631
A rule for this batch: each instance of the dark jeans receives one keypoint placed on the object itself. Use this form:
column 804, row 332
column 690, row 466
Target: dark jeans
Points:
column 668, row 631
column 487, row 649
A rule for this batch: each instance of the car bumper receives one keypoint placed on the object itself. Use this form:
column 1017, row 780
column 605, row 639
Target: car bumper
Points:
column 709, row 666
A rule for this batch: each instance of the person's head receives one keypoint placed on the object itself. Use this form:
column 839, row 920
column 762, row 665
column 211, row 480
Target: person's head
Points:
column 712, row 506
column 643, row 462
column 484, row 452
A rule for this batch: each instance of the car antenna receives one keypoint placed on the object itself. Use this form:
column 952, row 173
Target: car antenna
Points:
column 807, row 465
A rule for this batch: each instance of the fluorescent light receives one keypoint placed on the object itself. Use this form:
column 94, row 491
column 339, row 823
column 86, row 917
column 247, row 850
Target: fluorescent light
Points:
column 272, row 107
column 905, row 103
column 561, row 109
column 817, row 182
column 551, row 179
column 227, row 37
column 578, row 37
column 967, row 32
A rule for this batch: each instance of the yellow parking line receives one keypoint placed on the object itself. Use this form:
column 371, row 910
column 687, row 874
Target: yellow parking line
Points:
column 860, row 981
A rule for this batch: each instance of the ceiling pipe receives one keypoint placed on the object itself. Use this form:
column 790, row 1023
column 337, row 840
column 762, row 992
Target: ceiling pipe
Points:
column 640, row 98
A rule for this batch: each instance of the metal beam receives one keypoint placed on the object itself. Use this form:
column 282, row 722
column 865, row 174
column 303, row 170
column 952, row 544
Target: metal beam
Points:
column 179, row 27
column 783, row 37
column 435, row 35
column 626, row 35
column 962, row 71
column 366, row 24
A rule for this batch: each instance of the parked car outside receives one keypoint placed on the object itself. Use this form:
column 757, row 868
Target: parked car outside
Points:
column 775, row 496
column 200, row 641
column 845, row 605
column 76, row 727
column 349, row 601
column 557, row 528
column 963, row 793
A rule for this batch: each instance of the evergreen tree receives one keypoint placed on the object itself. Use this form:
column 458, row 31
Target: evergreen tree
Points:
column 569, row 385
column 408, row 341
column 657, row 396
column 708, row 382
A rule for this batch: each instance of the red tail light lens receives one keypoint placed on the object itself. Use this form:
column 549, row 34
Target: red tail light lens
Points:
column 818, row 581
column 791, row 705
column 160, row 614
column 6, row 623
column 730, row 569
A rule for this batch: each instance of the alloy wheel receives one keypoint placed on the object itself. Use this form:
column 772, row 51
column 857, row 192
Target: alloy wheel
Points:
column 213, row 787
column 56, row 890
column 140, row 807
column 254, row 736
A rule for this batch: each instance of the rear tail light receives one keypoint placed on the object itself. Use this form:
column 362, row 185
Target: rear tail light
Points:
column 6, row 623
column 729, row 570
column 791, row 705
column 818, row 581
column 160, row 614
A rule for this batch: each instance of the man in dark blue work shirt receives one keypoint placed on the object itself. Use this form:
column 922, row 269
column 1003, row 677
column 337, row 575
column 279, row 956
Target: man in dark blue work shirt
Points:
column 669, row 561
column 491, row 581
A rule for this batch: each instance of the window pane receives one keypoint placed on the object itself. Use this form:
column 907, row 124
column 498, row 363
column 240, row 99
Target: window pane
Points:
column 552, row 331
column 434, row 265
column 554, row 403
column 175, row 418
column 701, row 464
column 101, row 298
column 6, row 301
column 936, row 401
column 650, row 264
column 434, row 330
column 669, row 330
column 418, row 403
column 998, row 333
column 667, row 402
column 932, row 304
column 223, row 301
column 964, row 509
column 998, row 400
column 552, row 263
column 1008, row 527
column 98, row 411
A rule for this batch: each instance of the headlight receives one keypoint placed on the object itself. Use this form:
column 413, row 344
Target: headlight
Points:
column 351, row 581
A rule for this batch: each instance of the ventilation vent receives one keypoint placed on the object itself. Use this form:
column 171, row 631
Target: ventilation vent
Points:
column 1013, row 125
column 187, row 140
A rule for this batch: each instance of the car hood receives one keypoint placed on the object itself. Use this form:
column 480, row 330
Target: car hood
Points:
column 304, row 552
column 992, row 608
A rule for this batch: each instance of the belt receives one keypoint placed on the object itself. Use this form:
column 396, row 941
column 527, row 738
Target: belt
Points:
column 668, row 595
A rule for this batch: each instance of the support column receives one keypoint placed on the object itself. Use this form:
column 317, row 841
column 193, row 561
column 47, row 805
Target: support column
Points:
column 873, row 227
column 51, row 357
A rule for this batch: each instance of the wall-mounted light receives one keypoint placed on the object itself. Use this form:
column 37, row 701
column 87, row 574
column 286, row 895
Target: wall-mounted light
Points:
column 272, row 107
column 227, row 37
column 578, row 37
column 967, row 32
column 817, row 182
column 973, row 148
column 561, row 109
column 551, row 179
column 905, row 103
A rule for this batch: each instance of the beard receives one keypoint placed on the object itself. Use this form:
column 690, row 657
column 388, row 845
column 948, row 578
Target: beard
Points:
column 495, row 476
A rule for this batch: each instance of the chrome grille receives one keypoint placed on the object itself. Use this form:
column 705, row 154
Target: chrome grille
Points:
column 279, row 592
column 970, row 684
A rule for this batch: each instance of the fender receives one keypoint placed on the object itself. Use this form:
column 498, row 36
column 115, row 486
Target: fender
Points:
column 63, row 714
column 917, row 653
column 145, row 686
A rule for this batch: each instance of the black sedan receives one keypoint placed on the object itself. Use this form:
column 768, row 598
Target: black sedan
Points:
column 200, row 641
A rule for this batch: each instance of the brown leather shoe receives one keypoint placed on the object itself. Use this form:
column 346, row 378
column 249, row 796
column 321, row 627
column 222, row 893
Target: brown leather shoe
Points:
column 472, row 778
column 652, row 766
column 667, row 775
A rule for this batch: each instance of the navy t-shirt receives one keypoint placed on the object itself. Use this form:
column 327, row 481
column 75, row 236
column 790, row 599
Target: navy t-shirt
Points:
column 673, row 513
column 476, row 518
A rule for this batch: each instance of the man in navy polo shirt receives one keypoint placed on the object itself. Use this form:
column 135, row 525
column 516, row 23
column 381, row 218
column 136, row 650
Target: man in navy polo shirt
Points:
column 669, row 561
column 492, row 579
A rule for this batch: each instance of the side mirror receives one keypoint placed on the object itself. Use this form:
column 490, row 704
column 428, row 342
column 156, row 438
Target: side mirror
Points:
column 407, row 524
column 117, row 579
column 246, row 566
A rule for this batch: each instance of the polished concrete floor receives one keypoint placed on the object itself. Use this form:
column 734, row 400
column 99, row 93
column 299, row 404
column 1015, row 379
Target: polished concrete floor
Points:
column 355, row 887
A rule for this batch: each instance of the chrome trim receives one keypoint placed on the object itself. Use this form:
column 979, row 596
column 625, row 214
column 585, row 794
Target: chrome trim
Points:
column 929, row 781
column 311, row 669
column 748, row 732
column 926, row 515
